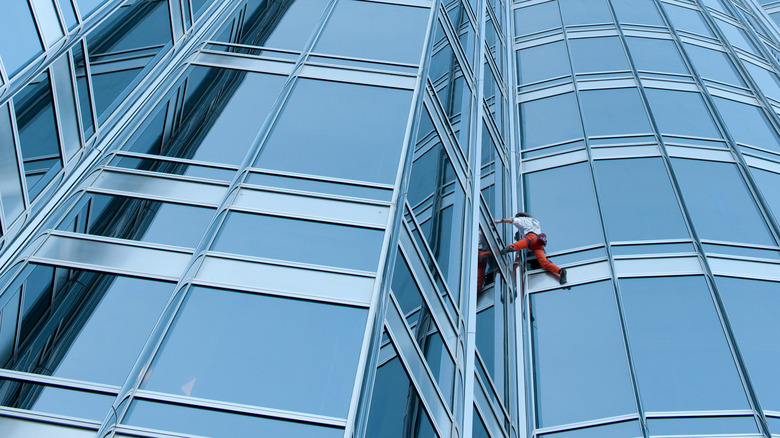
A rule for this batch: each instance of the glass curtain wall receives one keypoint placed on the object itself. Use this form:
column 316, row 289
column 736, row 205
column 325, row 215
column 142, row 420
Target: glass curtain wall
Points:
column 649, row 152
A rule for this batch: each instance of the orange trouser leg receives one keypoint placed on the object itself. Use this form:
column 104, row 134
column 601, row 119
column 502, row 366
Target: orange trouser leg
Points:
column 519, row 245
column 482, row 261
column 546, row 264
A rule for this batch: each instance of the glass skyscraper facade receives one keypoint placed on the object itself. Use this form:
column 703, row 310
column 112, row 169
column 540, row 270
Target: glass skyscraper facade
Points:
column 271, row 218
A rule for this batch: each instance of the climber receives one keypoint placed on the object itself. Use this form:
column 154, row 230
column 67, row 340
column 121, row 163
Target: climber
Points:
column 533, row 239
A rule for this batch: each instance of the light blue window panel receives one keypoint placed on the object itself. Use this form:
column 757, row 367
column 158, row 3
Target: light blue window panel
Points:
column 737, row 37
column 536, row 18
column 767, row 80
column 48, row 22
column 218, row 424
column 747, row 124
column 593, row 55
column 19, row 41
column 681, row 113
column 688, row 19
column 545, row 61
column 294, row 355
column 638, row 201
column 680, row 353
column 478, row 429
column 300, row 240
column 11, row 191
column 637, row 12
column 713, row 64
column 752, row 306
column 717, row 199
column 694, row 426
column 68, row 13
column 374, row 31
column 86, row 7
column 230, row 133
column 199, row 6
column 577, row 12
column 626, row 429
column 618, row 111
column 344, row 136
column 563, row 200
column 492, row 335
column 579, row 327
column 295, row 26
column 769, row 184
column 655, row 55
column 550, row 120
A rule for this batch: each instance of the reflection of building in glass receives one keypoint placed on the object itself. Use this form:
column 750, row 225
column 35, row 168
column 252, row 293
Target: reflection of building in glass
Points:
column 261, row 218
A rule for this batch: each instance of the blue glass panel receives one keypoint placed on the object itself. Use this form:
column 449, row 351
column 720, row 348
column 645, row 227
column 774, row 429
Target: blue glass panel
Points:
column 681, row 113
column 52, row 400
column 769, row 184
column 11, row 191
column 303, row 355
column 545, row 61
column 107, row 87
column 296, row 25
column 86, row 7
column 563, row 200
column 579, row 327
column 752, row 306
column 650, row 54
column 618, row 111
column 713, row 64
column 628, row 429
column 247, row 99
column 492, row 335
column 536, row 18
column 766, row 80
column 717, row 198
column 736, row 36
column 19, row 40
column 585, row 12
column 747, row 124
column 141, row 219
column 637, row 12
column 603, row 54
column 478, row 429
column 18, row 428
column 68, row 13
column 702, row 426
column 636, row 196
column 318, row 186
column 343, row 136
column 198, row 421
column 106, row 346
column 550, row 120
column 687, row 19
column 37, row 133
column 300, row 240
column 396, row 410
column 85, row 104
column 199, row 7
column 681, row 356
column 494, row 178
column 374, row 31
column 48, row 22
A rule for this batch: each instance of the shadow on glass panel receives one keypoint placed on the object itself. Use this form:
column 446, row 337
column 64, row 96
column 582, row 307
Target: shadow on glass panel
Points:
column 54, row 400
column 219, row 424
column 396, row 410
column 38, row 137
column 123, row 46
column 77, row 324
column 138, row 219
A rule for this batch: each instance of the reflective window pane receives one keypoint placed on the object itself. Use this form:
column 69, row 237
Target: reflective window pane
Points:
column 563, row 200
column 197, row 421
column 38, row 133
column 532, row 19
column 752, row 306
column 769, row 184
column 637, row 12
column 579, row 327
column 296, row 25
column 717, row 198
column 650, row 54
column 585, row 12
column 343, row 136
column 628, row 429
column 747, row 124
column 19, row 40
column 300, row 240
column 681, row 356
column 18, row 428
column 550, row 120
column 11, row 191
column 545, row 61
column 681, row 113
column 592, row 55
column 53, row 400
column 617, row 111
column 48, row 22
column 713, row 64
column 702, row 426
column 492, row 335
column 687, row 19
column 312, row 369
column 630, row 216
column 374, row 31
